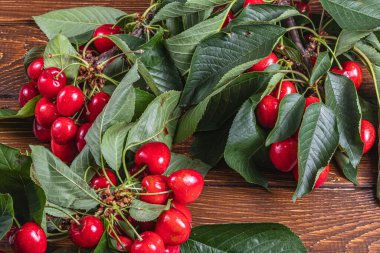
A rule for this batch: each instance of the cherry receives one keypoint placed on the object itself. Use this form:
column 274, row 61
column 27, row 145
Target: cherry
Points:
column 183, row 209
column 41, row 133
column 81, row 134
column 123, row 243
column 134, row 169
column 352, row 70
column 105, row 44
column 63, row 130
column 35, row 68
column 100, row 181
column 150, row 243
column 51, row 81
column 368, row 135
column 173, row 227
column 96, row 105
column 267, row 111
column 45, row 112
column 65, row 152
column 70, row 100
column 283, row 154
column 264, row 63
column 248, row 2
column 187, row 185
column 154, row 184
column 321, row 179
column 156, row 155
column 286, row 89
column 310, row 101
column 172, row 249
column 142, row 226
column 27, row 92
column 30, row 238
column 87, row 234
column 304, row 8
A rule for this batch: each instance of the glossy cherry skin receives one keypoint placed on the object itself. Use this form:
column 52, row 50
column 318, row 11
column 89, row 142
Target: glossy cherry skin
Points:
column 304, row 8
column 230, row 16
column 321, row 179
column 248, row 2
column 173, row 227
column 368, row 135
column 41, row 133
column 35, row 68
column 183, row 209
column 65, row 152
column 283, row 154
column 286, row 89
column 172, row 249
column 154, row 184
column 51, row 81
column 86, row 235
column 69, row 100
column 100, row 181
column 124, row 244
column 96, row 105
column 352, row 70
column 264, row 63
column 150, row 243
column 105, row 44
column 267, row 111
column 45, row 112
column 81, row 134
column 187, row 185
column 156, row 155
column 310, row 101
column 63, row 130
column 30, row 238
column 27, row 92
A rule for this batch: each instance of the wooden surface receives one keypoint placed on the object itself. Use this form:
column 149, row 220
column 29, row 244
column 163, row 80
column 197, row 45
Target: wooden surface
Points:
column 336, row 218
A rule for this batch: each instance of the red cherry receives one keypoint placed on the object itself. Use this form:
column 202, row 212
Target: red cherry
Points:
column 267, row 111
column 100, row 181
column 352, row 70
column 264, row 63
column 70, row 100
column 35, row 69
column 136, row 169
column 150, row 243
column 154, row 184
column 96, row 105
column 63, row 130
column 105, row 44
column 187, row 185
column 51, row 81
column 183, row 209
column 248, row 2
column 368, row 135
column 45, row 112
column 286, row 89
column 11, row 232
column 156, row 155
column 173, row 227
column 65, row 152
column 124, row 244
column 310, row 101
column 30, row 238
column 27, row 92
column 81, row 134
column 283, row 154
column 230, row 16
column 41, row 133
column 321, row 179
column 142, row 226
column 172, row 249
column 304, row 8
column 86, row 235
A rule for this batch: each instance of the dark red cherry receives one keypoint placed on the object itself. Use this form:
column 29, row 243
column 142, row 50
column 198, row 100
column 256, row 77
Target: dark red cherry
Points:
column 248, row 2
column 187, row 185
column 283, row 154
column 310, row 101
column 172, row 249
column 51, row 81
column 154, row 184
column 304, row 8
column 173, row 227
column 100, row 181
column 27, row 92
column 267, row 111
column 81, row 134
column 35, row 69
column 86, row 235
column 69, row 100
column 286, row 89
column 264, row 63
column 368, row 135
column 29, row 238
column 352, row 70
column 45, row 112
column 65, row 152
column 156, row 155
column 96, row 105
column 40, row 132
column 123, row 243
column 105, row 44
column 321, row 179
column 63, row 130
column 150, row 243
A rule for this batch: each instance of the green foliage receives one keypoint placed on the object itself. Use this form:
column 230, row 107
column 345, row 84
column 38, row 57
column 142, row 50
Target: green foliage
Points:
column 143, row 212
column 6, row 214
column 26, row 111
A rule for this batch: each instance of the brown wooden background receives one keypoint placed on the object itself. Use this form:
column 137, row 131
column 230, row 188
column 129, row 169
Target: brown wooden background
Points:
column 335, row 218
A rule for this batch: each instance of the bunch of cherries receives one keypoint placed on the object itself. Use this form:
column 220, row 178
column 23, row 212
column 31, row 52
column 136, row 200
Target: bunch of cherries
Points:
column 164, row 235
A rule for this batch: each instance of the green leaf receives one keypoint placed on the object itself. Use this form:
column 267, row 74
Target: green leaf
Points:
column 289, row 118
column 102, row 246
column 317, row 140
column 247, row 45
column 182, row 46
column 58, row 211
column 354, row 15
column 144, row 212
column 244, row 140
column 58, row 53
column 6, row 214
column 120, row 108
column 349, row 171
column 62, row 186
column 342, row 98
column 243, row 238
column 143, row 99
column 347, row 40
column 369, row 111
column 25, row 112
column 372, row 54
column 321, row 67
column 82, row 162
column 179, row 161
column 76, row 21
column 32, row 54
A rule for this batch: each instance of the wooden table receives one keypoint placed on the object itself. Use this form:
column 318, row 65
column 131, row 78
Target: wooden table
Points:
column 336, row 218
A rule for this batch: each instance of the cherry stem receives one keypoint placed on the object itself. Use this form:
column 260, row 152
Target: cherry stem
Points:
column 17, row 222
column 129, row 224
column 149, row 9
column 290, row 72
column 105, row 173
column 108, row 78
column 139, row 172
column 114, row 232
column 64, row 212
column 73, row 56
column 66, row 67
column 152, row 193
